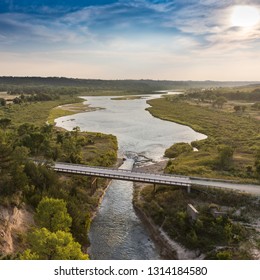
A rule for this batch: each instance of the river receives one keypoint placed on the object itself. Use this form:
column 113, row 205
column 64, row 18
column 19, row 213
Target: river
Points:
column 117, row 232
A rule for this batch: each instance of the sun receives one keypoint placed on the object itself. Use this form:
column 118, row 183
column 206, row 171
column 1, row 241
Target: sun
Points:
column 245, row 16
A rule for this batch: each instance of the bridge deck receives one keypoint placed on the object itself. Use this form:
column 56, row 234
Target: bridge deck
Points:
column 122, row 174
column 128, row 175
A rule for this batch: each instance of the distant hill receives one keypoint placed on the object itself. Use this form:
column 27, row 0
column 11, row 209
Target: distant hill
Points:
column 116, row 84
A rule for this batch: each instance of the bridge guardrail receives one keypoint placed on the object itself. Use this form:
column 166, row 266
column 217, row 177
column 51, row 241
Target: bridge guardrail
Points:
column 118, row 177
column 124, row 170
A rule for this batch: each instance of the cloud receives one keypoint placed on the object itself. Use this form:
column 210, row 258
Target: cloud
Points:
column 137, row 37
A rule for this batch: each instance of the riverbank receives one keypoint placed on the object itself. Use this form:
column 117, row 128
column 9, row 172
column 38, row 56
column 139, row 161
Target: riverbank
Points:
column 223, row 130
column 169, row 249
column 104, row 189
column 164, row 213
column 69, row 109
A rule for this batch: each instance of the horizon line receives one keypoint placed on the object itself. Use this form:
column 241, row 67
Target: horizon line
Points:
column 129, row 79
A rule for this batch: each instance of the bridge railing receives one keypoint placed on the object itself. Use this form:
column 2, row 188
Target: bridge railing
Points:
column 128, row 177
column 124, row 170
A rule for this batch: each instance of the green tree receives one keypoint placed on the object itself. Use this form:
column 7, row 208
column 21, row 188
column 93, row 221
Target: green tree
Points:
column 76, row 131
column 243, row 108
column 47, row 129
column 237, row 108
column 52, row 214
column 219, row 102
column 178, row 149
column 40, row 175
column 46, row 245
column 225, row 157
column 36, row 142
column 224, row 255
column 4, row 123
column 2, row 102
column 257, row 164
column 6, row 154
column 21, row 154
column 29, row 255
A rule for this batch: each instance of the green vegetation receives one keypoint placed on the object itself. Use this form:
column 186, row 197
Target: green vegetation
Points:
column 232, row 143
column 46, row 245
column 52, row 241
column 36, row 112
column 66, row 110
column 52, row 214
column 56, row 113
column 230, row 151
column 37, row 84
column 178, row 149
column 218, row 236
column 63, row 204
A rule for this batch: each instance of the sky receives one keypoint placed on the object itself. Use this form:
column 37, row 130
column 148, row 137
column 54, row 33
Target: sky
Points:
column 137, row 39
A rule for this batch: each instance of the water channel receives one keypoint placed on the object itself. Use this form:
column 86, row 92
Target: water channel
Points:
column 116, row 232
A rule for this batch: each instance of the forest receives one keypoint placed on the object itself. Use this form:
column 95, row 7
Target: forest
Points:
column 61, row 206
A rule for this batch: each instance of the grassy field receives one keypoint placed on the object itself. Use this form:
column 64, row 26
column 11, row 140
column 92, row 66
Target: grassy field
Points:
column 36, row 113
column 66, row 110
column 242, row 133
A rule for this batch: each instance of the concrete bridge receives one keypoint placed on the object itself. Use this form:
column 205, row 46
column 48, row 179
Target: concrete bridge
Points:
column 122, row 174
column 164, row 179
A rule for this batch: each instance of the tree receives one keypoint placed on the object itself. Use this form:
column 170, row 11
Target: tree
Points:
column 237, row 108
column 4, row 123
column 17, row 100
column 2, row 102
column 177, row 149
column 41, row 176
column 21, row 154
column 76, row 131
column 219, row 102
column 36, row 142
column 52, row 214
column 257, row 164
column 224, row 255
column 225, row 157
column 46, row 245
column 47, row 129
column 25, row 129
column 6, row 153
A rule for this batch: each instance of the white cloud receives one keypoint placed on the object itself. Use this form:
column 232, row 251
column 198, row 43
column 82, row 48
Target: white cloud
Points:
column 114, row 41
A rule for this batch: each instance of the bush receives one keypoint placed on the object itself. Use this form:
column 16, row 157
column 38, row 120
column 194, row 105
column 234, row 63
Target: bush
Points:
column 178, row 149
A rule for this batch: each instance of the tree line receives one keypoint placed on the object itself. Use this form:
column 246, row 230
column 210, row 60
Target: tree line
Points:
column 63, row 204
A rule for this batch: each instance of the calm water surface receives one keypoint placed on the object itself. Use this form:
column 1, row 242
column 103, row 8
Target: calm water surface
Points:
column 116, row 232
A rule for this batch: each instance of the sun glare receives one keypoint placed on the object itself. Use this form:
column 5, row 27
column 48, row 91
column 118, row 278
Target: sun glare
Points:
column 245, row 16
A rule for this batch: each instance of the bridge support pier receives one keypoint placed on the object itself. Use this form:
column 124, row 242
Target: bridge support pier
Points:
column 188, row 189
column 154, row 188
column 94, row 184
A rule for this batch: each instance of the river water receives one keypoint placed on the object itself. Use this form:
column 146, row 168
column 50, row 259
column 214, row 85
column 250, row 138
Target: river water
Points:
column 116, row 232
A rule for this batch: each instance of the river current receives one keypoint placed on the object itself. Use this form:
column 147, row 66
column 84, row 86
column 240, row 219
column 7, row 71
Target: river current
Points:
column 117, row 232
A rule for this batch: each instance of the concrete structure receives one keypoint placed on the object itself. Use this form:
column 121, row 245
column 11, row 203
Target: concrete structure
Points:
column 122, row 174
column 165, row 179
column 192, row 212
